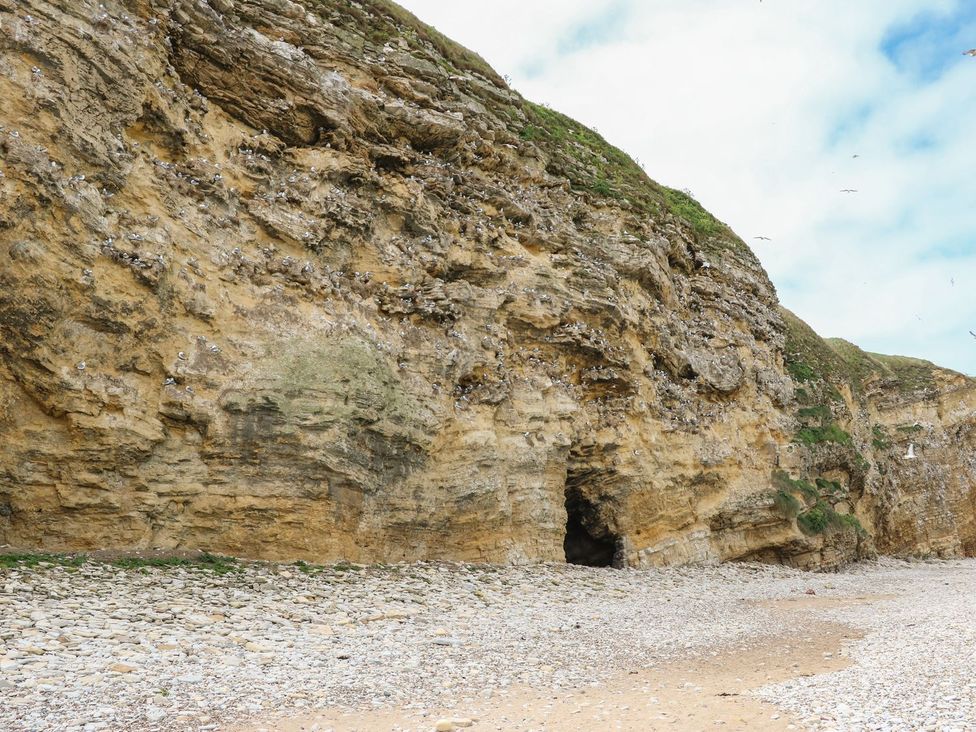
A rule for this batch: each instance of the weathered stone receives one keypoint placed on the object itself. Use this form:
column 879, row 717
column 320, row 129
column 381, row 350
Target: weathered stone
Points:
column 340, row 293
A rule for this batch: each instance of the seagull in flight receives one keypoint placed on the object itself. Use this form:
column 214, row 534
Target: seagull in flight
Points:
column 972, row 334
column 970, row 52
column 848, row 190
column 763, row 238
column 855, row 155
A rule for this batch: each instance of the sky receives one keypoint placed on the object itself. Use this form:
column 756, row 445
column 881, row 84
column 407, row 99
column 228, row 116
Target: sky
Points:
column 765, row 110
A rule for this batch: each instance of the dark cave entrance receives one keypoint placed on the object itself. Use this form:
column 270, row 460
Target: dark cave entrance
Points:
column 588, row 541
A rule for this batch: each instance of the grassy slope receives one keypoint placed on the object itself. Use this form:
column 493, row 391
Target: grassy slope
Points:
column 809, row 357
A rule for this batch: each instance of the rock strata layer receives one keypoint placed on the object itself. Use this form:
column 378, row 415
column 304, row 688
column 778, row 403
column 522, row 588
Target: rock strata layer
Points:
column 308, row 280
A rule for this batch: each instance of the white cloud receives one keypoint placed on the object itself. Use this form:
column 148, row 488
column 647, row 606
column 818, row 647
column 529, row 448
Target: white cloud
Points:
column 758, row 108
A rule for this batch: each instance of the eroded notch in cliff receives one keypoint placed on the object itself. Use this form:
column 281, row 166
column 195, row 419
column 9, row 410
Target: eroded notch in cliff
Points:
column 589, row 540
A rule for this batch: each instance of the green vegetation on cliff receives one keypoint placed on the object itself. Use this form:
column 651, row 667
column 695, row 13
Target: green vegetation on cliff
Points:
column 816, row 435
column 838, row 362
column 593, row 165
column 812, row 506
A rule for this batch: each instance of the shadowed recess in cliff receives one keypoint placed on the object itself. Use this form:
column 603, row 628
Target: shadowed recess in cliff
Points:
column 587, row 542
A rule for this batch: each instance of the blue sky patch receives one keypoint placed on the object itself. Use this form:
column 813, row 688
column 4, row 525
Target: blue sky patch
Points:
column 849, row 125
column 606, row 26
column 930, row 43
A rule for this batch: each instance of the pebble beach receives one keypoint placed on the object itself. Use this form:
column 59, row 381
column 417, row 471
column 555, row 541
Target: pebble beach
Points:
column 97, row 647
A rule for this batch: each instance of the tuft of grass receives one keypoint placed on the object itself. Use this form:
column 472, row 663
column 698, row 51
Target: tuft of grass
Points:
column 818, row 435
column 801, row 372
column 822, row 517
column 815, row 514
column 306, row 568
column 211, row 562
column 879, row 439
column 830, row 487
column 344, row 566
column 815, row 520
column 783, row 481
column 821, row 412
column 848, row 521
column 686, row 207
column 14, row 561
column 603, row 188
column 787, row 504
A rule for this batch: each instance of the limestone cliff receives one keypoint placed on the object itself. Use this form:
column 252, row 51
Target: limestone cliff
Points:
column 307, row 280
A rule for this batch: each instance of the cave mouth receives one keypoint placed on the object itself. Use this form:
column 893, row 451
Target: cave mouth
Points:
column 588, row 541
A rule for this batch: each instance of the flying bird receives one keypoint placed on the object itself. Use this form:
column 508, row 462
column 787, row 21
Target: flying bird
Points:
column 972, row 334
column 763, row 238
column 848, row 190
column 970, row 52
column 855, row 156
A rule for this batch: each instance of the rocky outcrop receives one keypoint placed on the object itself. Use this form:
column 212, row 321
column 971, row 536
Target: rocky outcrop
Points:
column 307, row 280
column 891, row 441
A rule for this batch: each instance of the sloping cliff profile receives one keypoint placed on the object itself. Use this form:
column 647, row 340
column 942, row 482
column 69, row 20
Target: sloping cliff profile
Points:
column 308, row 280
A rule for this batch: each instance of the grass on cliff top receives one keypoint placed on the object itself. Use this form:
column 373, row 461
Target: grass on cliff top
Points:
column 912, row 374
column 593, row 165
column 810, row 357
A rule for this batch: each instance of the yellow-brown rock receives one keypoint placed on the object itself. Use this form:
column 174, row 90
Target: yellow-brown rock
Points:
column 307, row 280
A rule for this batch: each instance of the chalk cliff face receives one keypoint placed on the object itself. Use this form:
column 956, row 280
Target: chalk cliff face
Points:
column 307, row 280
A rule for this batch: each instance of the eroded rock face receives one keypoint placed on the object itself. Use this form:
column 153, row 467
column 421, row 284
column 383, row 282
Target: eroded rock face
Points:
column 306, row 280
